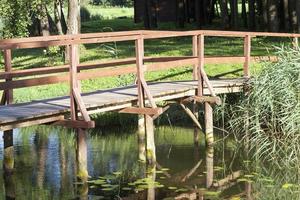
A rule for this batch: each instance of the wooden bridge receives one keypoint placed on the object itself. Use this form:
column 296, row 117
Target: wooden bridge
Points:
column 141, row 98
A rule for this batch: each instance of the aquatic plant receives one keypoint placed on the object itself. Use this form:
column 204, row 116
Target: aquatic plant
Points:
column 268, row 116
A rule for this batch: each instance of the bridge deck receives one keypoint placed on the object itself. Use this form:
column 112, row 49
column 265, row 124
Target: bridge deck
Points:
column 45, row 111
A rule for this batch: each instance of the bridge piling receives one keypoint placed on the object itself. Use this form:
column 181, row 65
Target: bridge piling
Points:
column 209, row 129
column 81, row 155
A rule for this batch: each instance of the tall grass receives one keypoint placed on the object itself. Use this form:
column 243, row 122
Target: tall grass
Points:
column 269, row 115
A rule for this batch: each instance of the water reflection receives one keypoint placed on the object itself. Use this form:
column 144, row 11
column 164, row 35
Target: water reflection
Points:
column 47, row 163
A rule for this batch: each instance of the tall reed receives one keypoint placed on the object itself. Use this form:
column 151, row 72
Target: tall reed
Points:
column 268, row 116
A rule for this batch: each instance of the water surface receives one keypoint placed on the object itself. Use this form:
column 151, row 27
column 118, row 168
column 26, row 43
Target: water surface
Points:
column 45, row 167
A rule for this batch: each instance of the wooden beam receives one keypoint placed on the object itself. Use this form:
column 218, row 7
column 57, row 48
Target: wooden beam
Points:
column 148, row 93
column 142, row 111
column 30, row 122
column 75, row 124
column 191, row 115
column 213, row 100
column 81, row 105
column 164, row 109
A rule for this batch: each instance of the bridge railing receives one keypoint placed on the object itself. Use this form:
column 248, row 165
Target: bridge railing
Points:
column 74, row 71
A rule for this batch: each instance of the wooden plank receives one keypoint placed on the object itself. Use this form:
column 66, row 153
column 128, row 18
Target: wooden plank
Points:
column 112, row 99
column 144, row 111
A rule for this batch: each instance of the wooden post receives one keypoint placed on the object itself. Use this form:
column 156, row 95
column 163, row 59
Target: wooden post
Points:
column 8, row 165
column 209, row 166
column 151, row 176
column 295, row 43
column 139, row 51
column 142, row 144
column 150, row 141
column 247, row 54
column 195, row 53
column 200, row 64
column 7, row 96
column 209, row 124
column 73, row 81
column 81, row 155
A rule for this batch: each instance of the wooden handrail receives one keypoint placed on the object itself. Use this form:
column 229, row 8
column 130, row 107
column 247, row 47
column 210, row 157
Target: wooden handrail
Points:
column 88, row 38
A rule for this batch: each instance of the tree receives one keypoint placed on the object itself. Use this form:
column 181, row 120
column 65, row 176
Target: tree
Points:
column 224, row 13
column 273, row 20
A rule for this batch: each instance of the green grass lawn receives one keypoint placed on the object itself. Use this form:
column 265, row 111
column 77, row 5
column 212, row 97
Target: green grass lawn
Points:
column 109, row 21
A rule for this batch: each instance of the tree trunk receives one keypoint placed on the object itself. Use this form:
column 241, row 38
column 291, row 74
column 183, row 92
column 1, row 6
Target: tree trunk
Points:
column 234, row 13
column 252, row 24
column 244, row 14
column 265, row 14
column 74, row 17
column 286, row 9
column 58, row 17
column 43, row 19
column 298, row 15
column 180, row 13
column 73, row 23
column 224, row 13
column 273, row 15
column 292, row 16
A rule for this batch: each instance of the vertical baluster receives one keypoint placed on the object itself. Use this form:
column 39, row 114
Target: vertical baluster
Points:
column 200, row 64
column 7, row 96
column 195, row 54
column 73, row 81
column 247, row 54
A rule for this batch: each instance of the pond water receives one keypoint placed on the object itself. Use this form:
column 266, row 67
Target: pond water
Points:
column 45, row 167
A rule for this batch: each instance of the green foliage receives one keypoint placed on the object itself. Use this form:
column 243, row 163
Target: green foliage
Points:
column 15, row 17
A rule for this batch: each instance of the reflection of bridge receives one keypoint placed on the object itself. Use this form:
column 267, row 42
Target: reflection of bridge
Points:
column 139, row 99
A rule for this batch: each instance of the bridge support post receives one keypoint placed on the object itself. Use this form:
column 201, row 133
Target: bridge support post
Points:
column 8, row 165
column 81, row 155
column 150, row 141
column 209, row 166
column 141, row 136
column 209, row 124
